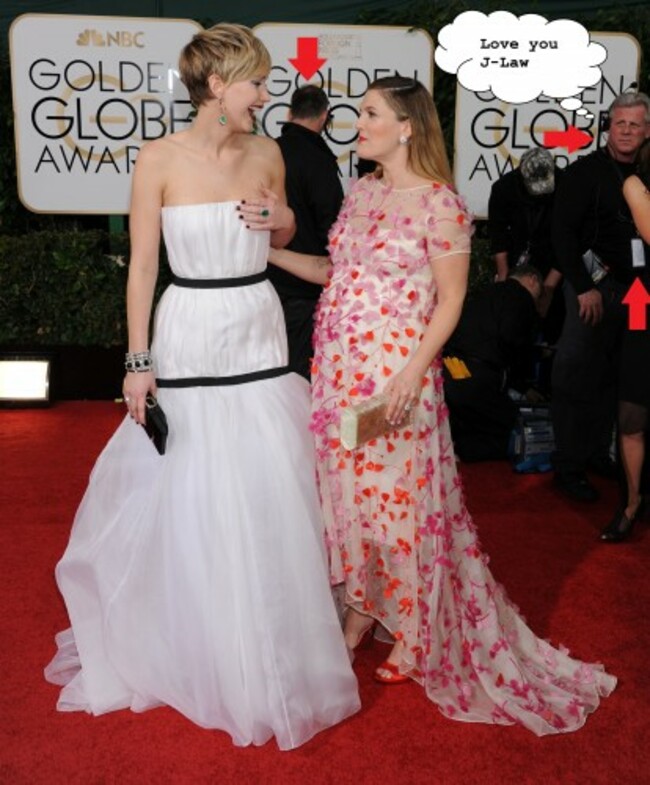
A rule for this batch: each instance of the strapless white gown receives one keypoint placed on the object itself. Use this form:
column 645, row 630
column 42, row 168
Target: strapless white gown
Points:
column 198, row 579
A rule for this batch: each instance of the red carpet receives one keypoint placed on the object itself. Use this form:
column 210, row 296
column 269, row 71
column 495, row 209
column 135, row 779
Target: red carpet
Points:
column 592, row 598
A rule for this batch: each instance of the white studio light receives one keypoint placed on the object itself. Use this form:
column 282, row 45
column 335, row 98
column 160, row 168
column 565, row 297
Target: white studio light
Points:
column 24, row 380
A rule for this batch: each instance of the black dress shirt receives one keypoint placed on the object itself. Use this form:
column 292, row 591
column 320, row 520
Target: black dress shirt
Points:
column 314, row 193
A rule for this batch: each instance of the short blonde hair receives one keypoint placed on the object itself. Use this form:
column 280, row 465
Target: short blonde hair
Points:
column 410, row 100
column 230, row 51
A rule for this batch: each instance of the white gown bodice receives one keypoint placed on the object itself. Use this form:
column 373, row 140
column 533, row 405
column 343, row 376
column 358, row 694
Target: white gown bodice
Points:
column 221, row 331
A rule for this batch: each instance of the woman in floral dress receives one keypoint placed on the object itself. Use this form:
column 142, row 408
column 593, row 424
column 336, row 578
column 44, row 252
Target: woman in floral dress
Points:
column 399, row 535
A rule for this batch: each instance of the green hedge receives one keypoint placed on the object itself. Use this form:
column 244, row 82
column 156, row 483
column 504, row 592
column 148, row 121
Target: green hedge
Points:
column 61, row 288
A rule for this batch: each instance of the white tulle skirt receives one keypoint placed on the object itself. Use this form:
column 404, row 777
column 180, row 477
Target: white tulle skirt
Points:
column 198, row 579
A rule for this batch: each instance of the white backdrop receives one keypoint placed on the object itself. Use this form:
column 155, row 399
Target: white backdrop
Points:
column 87, row 92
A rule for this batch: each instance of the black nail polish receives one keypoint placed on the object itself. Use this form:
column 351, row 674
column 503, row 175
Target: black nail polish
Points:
column 241, row 217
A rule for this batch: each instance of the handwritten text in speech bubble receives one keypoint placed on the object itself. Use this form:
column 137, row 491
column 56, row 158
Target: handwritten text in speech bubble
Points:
column 520, row 58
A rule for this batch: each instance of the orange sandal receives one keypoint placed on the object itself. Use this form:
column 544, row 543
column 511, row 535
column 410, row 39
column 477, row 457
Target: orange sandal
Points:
column 395, row 676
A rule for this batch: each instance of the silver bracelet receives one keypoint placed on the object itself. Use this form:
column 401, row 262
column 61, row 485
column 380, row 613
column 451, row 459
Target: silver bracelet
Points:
column 138, row 362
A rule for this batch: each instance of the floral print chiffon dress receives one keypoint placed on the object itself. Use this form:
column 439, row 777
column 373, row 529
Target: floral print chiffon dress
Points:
column 398, row 532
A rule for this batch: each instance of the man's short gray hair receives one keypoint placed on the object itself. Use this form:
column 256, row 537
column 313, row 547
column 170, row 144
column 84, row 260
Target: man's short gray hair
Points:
column 630, row 100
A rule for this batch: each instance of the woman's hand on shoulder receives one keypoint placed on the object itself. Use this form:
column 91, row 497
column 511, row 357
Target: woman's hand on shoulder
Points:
column 266, row 212
column 269, row 212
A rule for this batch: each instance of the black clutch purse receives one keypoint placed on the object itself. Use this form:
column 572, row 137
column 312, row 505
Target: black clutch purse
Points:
column 156, row 424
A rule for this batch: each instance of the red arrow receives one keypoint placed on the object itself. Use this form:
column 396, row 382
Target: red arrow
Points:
column 636, row 299
column 307, row 61
column 573, row 139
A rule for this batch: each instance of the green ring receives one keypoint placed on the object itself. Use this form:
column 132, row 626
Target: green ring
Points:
column 264, row 213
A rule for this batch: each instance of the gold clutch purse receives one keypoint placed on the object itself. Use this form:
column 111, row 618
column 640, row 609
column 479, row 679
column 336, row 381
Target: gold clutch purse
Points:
column 366, row 421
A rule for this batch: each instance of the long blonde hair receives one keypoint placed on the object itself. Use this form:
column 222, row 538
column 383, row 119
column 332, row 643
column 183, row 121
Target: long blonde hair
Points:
column 410, row 100
column 230, row 51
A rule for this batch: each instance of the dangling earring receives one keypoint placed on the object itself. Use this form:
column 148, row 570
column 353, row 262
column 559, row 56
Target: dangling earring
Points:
column 223, row 120
column 403, row 139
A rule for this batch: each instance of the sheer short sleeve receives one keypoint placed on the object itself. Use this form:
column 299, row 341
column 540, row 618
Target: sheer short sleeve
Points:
column 448, row 223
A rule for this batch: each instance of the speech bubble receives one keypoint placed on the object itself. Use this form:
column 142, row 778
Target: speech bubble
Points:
column 520, row 58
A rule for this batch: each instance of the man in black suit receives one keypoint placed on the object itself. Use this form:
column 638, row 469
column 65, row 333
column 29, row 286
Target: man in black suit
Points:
column 315, row 194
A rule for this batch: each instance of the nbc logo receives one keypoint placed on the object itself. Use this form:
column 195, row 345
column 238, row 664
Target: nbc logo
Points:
column 120, row 38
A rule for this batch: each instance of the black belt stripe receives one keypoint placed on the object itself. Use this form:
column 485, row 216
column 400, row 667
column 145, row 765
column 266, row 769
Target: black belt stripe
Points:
column 219, row 283
column 224, row 381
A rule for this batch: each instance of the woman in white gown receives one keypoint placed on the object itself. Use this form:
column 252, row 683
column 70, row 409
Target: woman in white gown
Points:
column 198, row 579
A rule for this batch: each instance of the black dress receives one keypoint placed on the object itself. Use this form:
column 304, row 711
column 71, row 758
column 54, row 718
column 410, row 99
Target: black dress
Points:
column 634, row 375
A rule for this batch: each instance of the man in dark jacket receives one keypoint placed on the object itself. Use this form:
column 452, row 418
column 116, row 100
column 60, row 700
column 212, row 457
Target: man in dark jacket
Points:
column 315, row 194
column 520, row 209
column 593, row 236
column 519, row 214
column 496, row 328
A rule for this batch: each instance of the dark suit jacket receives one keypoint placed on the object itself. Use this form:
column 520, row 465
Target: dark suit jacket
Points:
column 314, row 193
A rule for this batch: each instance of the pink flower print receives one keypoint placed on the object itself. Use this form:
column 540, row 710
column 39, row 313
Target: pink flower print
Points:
column 558, row 722
column 391, row 586
column 397, row 285
column 550, row 656
column 522, row 690
column 405, row 606
column 482, row 669
column 500, row 715
column 443, row 561
column 475, row 616
column 500, row 645
column 466, row 659
column 575, row 707
column 367, row 387
column 553, row 719
column 585, row 674
column 432, row 525
column 399, row 553
column 321, row 419
column 513, row 635
column 472, row 552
